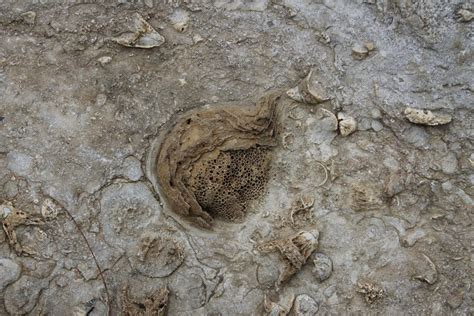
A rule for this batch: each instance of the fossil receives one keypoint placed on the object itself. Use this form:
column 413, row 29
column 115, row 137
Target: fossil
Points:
column 426, row 117
column 294, row 251
column 371, row 292
column 215, row 160
column 11, row 217
column 347, row 124
column 156, row 304
column 309, row 90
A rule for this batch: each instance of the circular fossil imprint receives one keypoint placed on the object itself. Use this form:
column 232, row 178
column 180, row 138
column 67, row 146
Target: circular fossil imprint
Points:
column 214, row 160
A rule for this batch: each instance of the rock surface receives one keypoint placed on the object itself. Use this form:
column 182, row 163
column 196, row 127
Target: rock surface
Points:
column 80, row 114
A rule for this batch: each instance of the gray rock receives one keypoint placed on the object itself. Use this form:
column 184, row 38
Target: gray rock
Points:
column 257, row 5
column 11, row 189
column 449, row 163
column 416, row 136
column 22, row 296
column 376, row 125
column 9, row 272
column 127, row 211
column 305, row 305
column 267, row 274
column 131, row 168
column 20, row 163
column 322, row 266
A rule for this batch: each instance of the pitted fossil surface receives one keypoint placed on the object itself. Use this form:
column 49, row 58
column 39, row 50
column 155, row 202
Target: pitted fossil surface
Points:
column 214, row 161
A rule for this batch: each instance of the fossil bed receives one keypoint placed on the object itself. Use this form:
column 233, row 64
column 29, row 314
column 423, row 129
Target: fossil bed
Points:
column 393, row 201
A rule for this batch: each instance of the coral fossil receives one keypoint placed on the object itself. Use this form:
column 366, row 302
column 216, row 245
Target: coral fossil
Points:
column 216, row 159
column 293, row 250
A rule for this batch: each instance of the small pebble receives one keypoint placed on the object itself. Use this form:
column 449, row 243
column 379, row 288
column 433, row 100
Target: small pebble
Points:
column 322, row 266
column 449, row 163
column 305, row 306
column 376, row 125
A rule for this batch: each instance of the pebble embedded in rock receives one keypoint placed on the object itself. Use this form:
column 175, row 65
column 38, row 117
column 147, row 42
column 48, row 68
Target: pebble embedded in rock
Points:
column 267, row 274
column 132, row 168
column 322, row 266
column 416, row 135
column 9, row 272
column 449, row 163
column 376, row 125
column 305, row 305
column 20, row 163
column 10, row 189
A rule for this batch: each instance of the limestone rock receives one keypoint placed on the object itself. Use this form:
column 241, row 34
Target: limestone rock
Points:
column 9, row 272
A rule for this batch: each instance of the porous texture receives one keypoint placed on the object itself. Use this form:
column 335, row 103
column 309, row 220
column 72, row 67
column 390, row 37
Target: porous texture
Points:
column 224, row 185
column 215, row 160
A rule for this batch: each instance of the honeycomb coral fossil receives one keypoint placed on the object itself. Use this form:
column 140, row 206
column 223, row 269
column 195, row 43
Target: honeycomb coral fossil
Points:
column 214, row 160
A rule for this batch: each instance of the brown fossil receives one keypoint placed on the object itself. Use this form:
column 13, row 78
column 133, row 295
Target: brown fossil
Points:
column 294, row 251
column 215, row 160
column 154, row 305
column 11, row 217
